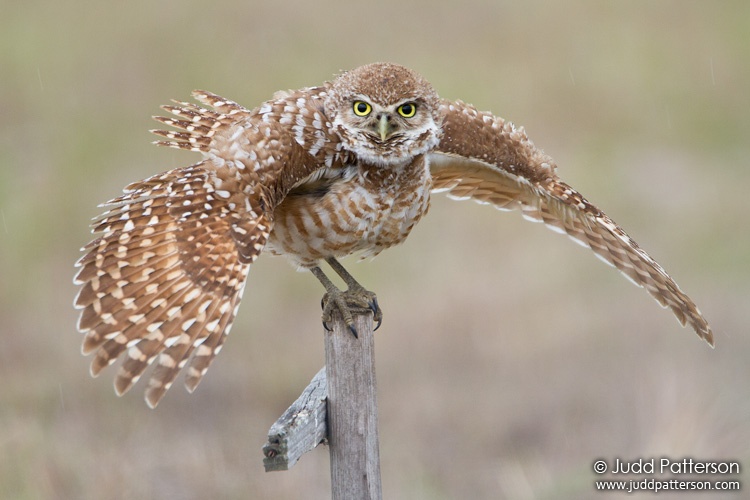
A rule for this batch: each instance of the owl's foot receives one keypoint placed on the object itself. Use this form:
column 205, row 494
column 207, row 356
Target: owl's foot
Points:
column 352, row 300
column 355, row 298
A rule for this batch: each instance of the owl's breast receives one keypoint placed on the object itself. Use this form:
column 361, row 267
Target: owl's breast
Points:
column 359, row 208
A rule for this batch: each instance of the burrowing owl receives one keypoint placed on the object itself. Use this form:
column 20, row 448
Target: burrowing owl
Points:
column 313, row 174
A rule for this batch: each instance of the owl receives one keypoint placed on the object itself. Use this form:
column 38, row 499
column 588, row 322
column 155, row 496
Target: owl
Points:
column 314, row 174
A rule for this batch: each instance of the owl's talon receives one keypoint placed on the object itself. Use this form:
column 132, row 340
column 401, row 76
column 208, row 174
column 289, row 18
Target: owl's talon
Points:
column 354, row 331
column 377, row 313
column 345, row 302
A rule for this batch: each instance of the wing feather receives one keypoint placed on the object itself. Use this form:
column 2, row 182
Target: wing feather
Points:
column 489, row 160
column 163, row 281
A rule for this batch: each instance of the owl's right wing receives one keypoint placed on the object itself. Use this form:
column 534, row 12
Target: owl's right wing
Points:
column 484, row 158
column 165, row 276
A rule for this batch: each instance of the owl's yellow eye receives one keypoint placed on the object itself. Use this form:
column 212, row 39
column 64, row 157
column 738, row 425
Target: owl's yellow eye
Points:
column 407, row 110
column 361, row 108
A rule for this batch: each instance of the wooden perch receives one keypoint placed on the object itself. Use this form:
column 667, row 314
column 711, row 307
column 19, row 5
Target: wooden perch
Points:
column 301, row 428
column 353, row 410
column 339, row 405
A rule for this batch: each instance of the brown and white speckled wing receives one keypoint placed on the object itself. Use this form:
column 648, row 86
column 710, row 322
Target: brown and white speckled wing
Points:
column 163, row 279
column 484, row 158
column 165, row 276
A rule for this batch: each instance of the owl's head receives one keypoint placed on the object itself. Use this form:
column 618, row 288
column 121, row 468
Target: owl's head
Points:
column 384, row 113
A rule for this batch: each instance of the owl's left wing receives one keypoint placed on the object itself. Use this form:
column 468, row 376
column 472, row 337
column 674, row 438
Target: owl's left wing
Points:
column 489, row 160
column 162, row 282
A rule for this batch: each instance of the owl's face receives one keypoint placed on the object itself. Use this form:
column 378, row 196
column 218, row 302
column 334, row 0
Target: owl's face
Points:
column 384, row 113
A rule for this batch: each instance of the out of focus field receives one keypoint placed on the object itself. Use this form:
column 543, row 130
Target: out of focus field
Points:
column 509, row 358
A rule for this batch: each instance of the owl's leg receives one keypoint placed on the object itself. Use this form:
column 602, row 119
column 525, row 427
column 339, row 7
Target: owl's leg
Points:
column 356, row 296
column 357, row 290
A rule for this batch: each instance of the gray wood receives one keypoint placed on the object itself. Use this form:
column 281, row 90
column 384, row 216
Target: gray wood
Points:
column 301, row 428
column 352, row 410
column 347, row 417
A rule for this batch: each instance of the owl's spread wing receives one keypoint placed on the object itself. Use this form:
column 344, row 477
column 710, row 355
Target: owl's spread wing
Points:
column 165, row 276
column 484, row 158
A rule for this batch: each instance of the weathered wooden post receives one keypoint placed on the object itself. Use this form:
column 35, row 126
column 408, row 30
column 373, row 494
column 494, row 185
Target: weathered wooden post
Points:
column 339, row 405
column 353, row 411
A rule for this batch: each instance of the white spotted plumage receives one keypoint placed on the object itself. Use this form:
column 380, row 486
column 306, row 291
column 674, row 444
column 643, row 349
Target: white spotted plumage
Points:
column 303, row 176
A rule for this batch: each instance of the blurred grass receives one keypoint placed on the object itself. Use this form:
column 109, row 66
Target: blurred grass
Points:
column 509, row 359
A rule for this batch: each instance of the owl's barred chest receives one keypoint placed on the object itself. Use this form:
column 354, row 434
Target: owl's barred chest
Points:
column 356, row 208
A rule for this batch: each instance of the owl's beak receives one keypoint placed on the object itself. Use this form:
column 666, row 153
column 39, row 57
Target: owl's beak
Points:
column 385, row 128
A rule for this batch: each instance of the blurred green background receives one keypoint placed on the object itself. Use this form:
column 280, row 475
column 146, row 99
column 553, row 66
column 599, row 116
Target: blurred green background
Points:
column 509, row 359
